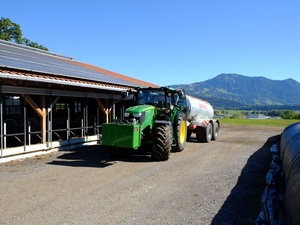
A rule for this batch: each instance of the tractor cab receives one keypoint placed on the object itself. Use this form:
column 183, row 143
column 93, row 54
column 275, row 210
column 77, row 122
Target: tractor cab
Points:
column 164, row 98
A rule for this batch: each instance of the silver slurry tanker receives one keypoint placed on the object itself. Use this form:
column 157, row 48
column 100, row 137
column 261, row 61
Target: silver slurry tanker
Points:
column 200, row 120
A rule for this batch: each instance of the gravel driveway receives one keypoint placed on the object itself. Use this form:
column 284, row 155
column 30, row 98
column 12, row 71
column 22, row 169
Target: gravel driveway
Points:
column 216, row 183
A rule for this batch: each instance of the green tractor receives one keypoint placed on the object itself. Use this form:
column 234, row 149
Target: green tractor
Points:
column 157, row 119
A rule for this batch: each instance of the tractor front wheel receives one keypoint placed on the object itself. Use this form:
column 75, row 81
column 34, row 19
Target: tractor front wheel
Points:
column 162, row 143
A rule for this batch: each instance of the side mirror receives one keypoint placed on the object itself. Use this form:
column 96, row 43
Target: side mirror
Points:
column 181, row 94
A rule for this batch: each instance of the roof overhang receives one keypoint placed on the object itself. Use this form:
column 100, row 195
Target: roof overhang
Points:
column 8, row 74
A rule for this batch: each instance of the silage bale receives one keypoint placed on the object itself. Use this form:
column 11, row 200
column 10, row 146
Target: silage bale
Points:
column 290, row 155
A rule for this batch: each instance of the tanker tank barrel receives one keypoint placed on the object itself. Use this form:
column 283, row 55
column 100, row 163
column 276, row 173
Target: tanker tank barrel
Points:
column 198, row 109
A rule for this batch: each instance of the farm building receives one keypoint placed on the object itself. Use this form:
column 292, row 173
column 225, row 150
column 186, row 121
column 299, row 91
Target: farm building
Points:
column 49, row 101
column 256, row 116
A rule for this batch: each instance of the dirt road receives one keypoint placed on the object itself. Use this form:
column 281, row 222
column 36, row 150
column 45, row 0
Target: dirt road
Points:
column 216, row 183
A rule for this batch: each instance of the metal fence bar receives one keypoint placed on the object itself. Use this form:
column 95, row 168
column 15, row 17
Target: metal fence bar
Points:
column 29, row 133
column 25, row 128
column 82, row 128
column 1, row 125
column 4, row 135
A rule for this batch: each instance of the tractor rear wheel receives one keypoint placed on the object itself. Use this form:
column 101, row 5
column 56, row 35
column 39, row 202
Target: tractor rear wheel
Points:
column 162, row 143
column 180, row 134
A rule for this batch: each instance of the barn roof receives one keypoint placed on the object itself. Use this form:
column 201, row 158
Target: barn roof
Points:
column 25, row 63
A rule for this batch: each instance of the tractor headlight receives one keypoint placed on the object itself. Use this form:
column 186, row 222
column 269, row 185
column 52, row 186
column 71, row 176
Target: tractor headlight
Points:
column 126, row 114
column 137, row 114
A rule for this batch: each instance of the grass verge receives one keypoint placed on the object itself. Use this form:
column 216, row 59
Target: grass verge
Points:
column 258, row 122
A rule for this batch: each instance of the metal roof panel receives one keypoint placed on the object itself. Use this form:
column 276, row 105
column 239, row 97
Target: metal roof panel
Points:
column 30, row 59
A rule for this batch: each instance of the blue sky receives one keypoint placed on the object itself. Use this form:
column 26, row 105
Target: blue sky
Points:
column 168, row 41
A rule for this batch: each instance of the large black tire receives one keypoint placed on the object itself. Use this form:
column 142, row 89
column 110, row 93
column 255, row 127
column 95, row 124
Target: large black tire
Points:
column 162, row 143
column 215, row 131
column 204, row 134
column 180, row 134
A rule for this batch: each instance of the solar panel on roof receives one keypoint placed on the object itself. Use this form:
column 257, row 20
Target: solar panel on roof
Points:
column 25, row 58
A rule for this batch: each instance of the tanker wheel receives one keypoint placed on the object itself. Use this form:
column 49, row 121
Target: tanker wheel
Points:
column 180, row 135
column 188, row 135
column 204, row 134
column 162, row 143
column 215, row 131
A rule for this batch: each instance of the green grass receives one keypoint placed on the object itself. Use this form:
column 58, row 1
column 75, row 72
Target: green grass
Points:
column 258, row 122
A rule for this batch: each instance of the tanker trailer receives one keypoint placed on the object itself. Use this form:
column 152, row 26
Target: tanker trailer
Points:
column 200, row 120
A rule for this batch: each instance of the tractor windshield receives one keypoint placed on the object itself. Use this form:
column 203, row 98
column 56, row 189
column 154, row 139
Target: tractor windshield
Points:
column 160, row 97
column 151, row 97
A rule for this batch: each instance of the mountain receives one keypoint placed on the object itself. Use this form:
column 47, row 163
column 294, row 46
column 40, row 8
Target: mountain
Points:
column 238, row 91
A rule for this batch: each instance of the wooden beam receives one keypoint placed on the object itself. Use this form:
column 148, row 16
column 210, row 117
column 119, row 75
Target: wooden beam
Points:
column 34, row 106
column 104, row 110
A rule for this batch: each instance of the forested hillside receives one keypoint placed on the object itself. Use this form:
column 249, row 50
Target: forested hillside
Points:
column 238, row 91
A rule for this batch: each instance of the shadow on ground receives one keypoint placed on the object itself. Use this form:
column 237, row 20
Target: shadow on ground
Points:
column 243, row 205
column 97, row 156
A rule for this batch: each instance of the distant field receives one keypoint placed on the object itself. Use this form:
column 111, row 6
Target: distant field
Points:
column 258, row 122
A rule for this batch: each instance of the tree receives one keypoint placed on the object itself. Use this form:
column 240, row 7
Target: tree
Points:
column 10, row 31
column 238, row 115
column 289, row 114
column 27, row 42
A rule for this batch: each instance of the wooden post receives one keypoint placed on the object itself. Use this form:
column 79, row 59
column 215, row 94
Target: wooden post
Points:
column 41, row 113
column 43, row 119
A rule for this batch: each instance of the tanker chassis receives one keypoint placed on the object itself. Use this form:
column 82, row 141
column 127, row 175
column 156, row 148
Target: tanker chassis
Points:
column 163, row 118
